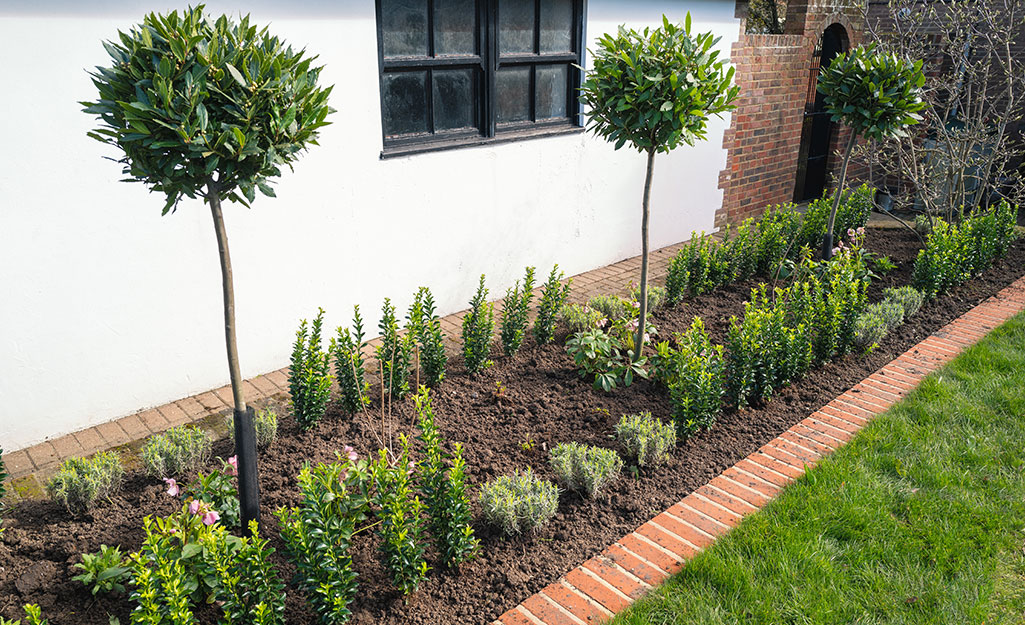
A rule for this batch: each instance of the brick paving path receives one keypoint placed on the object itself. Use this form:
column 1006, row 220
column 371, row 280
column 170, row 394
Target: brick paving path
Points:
column 29, row 468
column 608, row 583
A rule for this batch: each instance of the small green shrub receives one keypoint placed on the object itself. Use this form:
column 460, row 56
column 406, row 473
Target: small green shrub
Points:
column 585, row 469
column 445, row 498
column 478, row 331
column 579, row 318
column 81, row 481
column 425, row 327
column 883, row 265
column 878, row 319
column 309, row 374
column 248, row 588
column 852, row 213
column 909, row 298
column 777, row 236
column 177, row 451
column 105, row 571
column 33, row 614
column 403, row 547
column 265, row 423
column 395, row 353
column 605, row 358
column 553, row 298
column 519, row 502
column 318, row 533
column 693, row 373
column 646, row 438
column 347, row 349
column 516, row 313
column 612, row 307
column 656, row 296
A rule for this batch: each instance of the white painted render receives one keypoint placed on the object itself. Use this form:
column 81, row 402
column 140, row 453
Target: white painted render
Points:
column 107, row 308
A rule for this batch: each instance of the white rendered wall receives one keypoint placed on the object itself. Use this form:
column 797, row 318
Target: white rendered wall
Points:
column 107, row 308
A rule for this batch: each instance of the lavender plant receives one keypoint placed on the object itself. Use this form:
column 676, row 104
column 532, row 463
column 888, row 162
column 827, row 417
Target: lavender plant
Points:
column 179, row 450
column 646, row 438
column 425, row 326
column 79, row 482
column 585, row 469
column 909, row 298
column 265, row 423
column 519, row 502
column 309, row 375
column 612, row 307
column 350, row 365
column 402, row 542
column 395, row 353
column 478, row 330
column 579, row 317
column 318, row 533
column 553, row 298
column 444, row 491
column 516, row 313
column 877, row 320
column 656, row 296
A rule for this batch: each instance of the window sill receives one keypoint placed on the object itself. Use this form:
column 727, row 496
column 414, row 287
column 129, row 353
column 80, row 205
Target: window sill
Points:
column 509, row 136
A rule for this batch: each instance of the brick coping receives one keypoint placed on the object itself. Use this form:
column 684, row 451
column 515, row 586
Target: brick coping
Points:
column 29, row 468
column 610, row 582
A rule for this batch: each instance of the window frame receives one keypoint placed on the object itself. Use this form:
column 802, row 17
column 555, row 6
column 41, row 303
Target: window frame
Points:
column 486, row 65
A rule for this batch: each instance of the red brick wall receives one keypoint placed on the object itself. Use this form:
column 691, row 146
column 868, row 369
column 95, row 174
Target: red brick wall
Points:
column 775, row 74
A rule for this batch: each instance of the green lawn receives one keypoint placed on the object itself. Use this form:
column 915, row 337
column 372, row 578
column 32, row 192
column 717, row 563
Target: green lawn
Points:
column 920, row 519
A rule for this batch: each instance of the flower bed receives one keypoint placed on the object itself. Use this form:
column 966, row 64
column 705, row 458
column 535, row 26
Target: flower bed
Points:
column 509, row 417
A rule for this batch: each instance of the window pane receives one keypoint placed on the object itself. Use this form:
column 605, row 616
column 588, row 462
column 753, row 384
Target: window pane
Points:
column 405, row 103
column 551, row 90
column 556, row 25
column 453, row 99
column 404, row 27
column 513, row 86
column 455, row 23
column 515, row 26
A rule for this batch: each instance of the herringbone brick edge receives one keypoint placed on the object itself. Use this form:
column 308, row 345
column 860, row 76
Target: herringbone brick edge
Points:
column 29, row 468
column 606, row 584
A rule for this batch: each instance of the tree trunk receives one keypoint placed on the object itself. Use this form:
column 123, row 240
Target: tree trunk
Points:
column 827, row 239
column 642, row 319
column 245, row 432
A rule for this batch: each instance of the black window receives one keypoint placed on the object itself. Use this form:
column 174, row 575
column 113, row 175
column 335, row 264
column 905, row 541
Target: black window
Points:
column 457, row 72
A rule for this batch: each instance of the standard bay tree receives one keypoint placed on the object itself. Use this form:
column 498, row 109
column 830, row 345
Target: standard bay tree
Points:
column 210, row 108
column 654, row 90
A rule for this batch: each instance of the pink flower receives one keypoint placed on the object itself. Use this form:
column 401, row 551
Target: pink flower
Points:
column 601, row 322
column 194, row 506
column 850, row 233
column 233, row 465
column 412, row 467
column 636, row 304
column 172, row 486
column 350, row 453
column 836, row 251
column 211, row 517
column 861, row 230
column 647, row 337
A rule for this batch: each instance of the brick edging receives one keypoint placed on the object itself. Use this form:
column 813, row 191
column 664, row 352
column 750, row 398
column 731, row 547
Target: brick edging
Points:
column 608, row 583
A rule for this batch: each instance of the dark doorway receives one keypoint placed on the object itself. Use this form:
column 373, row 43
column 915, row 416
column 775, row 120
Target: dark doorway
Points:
column 818, row 131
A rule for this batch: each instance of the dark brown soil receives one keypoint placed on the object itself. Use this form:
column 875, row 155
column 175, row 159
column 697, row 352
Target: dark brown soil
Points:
column 544, row 402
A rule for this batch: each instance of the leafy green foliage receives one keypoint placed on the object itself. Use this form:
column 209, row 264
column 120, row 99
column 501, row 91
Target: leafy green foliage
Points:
column 309, row 374
column 33, row 613
column 318, row 534
column 81, row 481
column 350, row 365
column 478, row 331
column 579, row 317
column 425, row 326
column 657, row 88
column 954, row 253
column 265, row 423
column 105, row 571
column 777, row 232
column 402, row 542
column 177, row 451
column 877, row 320
column 606, row 358
column 516, row 313
column 519, row 502
column 612, row 307
column 646, row 438
column 195, row 102
column 693, row 373
column 219, row 491
column 875, row 93
column 883, row 265
column 656, row 296
column 700, row 266
column 585, row 469
column 909, row 298
column 248, row 588
column 852, row 213
column 444, row 491
column 395, row 353
column 553, row 298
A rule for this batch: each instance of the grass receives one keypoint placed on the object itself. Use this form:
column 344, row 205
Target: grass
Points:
column 919, row 519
